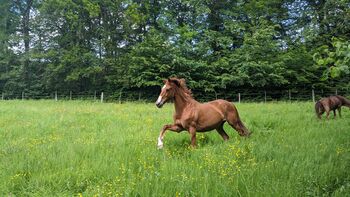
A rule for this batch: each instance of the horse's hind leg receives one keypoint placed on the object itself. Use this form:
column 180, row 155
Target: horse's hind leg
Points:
column 222, row 132
column 335, row 113
column 339, row 110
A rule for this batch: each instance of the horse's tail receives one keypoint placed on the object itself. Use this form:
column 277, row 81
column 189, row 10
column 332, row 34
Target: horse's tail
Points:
column 234, row 120
column 318, row 109
column 246, row 132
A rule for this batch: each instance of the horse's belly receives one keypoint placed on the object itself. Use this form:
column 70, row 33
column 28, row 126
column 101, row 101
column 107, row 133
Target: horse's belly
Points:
column 206, row 117
column 209, row 122
column 208, row 128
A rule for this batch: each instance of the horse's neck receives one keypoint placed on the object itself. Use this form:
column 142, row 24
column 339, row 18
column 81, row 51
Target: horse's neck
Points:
column 181, row 102
column 346, row 102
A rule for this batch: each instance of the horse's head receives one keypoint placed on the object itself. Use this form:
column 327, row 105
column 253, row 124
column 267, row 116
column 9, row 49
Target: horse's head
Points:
column 167, row 91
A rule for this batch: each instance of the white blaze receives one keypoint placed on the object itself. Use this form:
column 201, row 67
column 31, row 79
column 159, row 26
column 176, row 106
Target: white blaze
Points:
column 159, row 99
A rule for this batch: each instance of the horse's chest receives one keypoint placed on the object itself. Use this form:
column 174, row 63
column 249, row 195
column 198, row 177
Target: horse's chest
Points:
column 186, row 121
column 185, row 124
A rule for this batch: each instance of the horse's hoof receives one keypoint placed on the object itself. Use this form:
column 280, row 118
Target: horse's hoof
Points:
column 160, row 143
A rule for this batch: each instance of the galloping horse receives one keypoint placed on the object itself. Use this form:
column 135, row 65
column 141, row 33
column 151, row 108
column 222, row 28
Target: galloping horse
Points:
column 331, row 103
column 195, row 117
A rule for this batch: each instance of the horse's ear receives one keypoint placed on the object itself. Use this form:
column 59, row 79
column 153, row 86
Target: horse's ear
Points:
column 177, row 82
column 183, row 81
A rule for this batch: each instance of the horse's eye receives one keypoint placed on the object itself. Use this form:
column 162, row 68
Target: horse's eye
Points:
column 167, row 90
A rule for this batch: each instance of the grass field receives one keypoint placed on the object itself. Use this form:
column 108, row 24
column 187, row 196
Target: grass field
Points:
column 92, row 149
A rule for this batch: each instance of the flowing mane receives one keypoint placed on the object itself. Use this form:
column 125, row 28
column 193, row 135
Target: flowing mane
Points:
column 181, row 84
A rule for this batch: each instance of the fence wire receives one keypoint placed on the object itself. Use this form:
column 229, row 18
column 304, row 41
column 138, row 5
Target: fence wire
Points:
column 132, row 96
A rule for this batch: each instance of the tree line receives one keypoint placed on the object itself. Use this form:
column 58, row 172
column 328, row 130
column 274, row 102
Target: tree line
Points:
column 217, row 46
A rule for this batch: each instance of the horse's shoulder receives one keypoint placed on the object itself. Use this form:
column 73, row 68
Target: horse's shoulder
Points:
column 326, row 100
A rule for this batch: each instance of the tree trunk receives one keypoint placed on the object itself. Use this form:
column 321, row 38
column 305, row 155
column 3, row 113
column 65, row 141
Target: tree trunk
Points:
column 25, row 7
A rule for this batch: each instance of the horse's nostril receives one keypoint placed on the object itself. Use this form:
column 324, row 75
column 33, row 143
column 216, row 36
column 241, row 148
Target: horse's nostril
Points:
column 159, row 105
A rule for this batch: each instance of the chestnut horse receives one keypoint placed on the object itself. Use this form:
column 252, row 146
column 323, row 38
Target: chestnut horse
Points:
column 195, row 117
column 331, row 103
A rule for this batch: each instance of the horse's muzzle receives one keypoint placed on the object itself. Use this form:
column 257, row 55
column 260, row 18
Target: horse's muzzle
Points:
column 159, row 104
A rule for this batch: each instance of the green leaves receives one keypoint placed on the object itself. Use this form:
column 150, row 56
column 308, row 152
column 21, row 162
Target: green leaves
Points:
column 92, row 7
column 334, row 60
column 217, row 46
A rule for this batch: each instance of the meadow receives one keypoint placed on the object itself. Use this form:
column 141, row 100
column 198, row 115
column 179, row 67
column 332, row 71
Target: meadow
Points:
column 82, row 148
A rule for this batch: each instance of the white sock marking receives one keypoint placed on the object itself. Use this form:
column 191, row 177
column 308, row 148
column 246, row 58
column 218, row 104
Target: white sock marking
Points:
column 160, row 143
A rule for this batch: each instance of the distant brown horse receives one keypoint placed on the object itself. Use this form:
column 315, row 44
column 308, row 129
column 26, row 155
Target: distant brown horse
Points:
column 195, row 117
column 331, row 103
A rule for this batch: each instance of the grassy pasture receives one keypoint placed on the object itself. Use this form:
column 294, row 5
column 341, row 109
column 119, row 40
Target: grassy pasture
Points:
column 92, row 149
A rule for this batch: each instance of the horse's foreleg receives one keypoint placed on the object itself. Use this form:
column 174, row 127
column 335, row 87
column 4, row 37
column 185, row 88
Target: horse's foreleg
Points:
column 334, row 113
column 327, row 115
column 192, row 132
column 319, row 115
column 327, row 110
column 175, row 128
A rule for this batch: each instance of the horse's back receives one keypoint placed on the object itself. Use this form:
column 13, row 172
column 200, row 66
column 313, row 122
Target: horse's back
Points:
column 219, row 102
column 331, row 102
column 224, row 106
column 216, row 107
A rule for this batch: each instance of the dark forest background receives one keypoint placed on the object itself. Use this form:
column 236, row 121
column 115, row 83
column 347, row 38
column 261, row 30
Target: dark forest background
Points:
column 219, row 46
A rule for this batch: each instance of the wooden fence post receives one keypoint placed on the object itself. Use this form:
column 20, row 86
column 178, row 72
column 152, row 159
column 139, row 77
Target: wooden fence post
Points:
column 22, row 96
column 56, row 96
column 70, row 95
column 239, row 97
column 120, row 96
column 101, row 97
column 265, row 95
column 313, row 95
column 336, row 91
column 289, row 96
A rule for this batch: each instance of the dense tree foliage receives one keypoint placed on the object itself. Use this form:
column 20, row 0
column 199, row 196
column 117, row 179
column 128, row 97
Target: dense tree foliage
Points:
column 219, row 46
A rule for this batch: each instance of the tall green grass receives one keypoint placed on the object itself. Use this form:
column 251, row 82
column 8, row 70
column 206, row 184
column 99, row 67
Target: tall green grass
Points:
column 93, row 149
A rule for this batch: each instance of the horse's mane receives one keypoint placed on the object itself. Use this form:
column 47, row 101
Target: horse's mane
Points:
column 343, row 99
column 181, row 84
